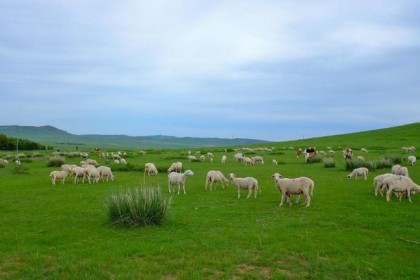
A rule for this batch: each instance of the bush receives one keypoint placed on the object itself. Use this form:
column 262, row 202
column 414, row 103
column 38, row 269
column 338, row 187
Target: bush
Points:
column 19, row 169
column 329, row 162
column 55, row 162
column 350, row 165
column 315, row 159
column 137, row 207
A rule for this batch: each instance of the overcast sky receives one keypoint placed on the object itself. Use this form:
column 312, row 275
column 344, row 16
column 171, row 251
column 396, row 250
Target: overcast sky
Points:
column 271, row 70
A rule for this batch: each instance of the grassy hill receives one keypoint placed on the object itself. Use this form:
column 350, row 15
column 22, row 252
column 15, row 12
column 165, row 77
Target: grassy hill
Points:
column 51, row 136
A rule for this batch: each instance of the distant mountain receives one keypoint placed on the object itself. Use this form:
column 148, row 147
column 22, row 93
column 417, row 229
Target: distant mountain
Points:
column 52, row 136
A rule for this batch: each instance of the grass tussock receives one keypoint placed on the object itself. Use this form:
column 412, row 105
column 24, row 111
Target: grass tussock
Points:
column 55, row 162
column 141, row 206
column 352, row 164
column 315, row 159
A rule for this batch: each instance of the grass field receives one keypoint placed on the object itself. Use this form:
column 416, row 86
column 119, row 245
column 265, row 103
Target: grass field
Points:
column 63, row 231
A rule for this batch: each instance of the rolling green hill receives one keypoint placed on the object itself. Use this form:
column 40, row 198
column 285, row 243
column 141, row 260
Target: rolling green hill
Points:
column 51, row 136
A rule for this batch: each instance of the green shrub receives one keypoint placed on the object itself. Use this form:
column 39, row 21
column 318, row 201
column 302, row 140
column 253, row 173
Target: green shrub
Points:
column 19, row 169
column 352, row 164
column 137, row 207
column 315, row 159
column 55, row 162
column 329, row 162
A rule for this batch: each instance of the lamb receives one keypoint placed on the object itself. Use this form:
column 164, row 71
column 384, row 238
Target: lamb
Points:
column 214, row 176
column 106, row 172
column 175, row 167
column 150, row 168
column 58, row 175
column 378, row 182
column 400, row 184
column 361, row 171
column 178, row 179
column 411, row 160
column 301, row 185
column 399, row 170
column 249, row 183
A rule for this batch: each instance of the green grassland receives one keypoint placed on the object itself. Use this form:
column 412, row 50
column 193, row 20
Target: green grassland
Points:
column 63, row 231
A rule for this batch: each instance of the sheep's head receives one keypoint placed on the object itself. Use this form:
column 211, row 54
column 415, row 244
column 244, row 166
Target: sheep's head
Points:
column 231, row 175
column 276, row 176
column 189, row 173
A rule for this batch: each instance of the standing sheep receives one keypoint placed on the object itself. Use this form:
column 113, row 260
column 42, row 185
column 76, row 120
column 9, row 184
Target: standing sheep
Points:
column 361, row 171
column 175, row 167
column 287, row 187
column 150, row 168
column 178, row 179
column 214, row 176
column 411, row 160
column 399, row 170
column 58, row 175
column 378, row 183
column 106, row 172
column 402, row 185
column 247, row 183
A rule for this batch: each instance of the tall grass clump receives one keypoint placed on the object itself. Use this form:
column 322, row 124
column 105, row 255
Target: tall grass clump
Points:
column 329, row 162
column 55, row 162
column 141, row 206
column 352, row 164
column 315, row 159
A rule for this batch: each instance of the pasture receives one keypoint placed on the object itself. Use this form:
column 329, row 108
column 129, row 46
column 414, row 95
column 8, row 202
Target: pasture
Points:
column 63, row 231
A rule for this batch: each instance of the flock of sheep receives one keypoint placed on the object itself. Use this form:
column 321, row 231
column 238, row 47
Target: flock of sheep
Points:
column 397, row 181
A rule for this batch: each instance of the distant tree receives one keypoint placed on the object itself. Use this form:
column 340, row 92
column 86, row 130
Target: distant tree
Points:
column 9, row 144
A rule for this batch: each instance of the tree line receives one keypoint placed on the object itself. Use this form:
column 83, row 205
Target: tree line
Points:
column 10, row 144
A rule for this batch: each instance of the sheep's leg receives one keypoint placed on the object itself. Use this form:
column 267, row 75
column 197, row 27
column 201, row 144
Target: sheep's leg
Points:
column 297, row 199
column 239, row 192
column 409, row 196
column 205, row 187
column 281, row 199
column 255, row 192
column 249, row 193
column 183, row 187
column 179, row 187
column 169, row 187
column 308, row 200
column 388, row 197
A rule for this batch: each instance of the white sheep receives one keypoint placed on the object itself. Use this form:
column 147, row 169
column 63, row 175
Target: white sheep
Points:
column 214, row 176
column 363, row 150
column 178, row 179
column 58, row 175
column 361, row 171
column 92, row 173
column 238, row 157
column 274, row 162
column 78, row 172
column 175, row 167
column 402, row 185
column 247, row 161
column 378, row 182
column 191, row 158
column 247, row 183
column 224, row 158
column 4, row 161
column 257, row 159
column 123, row 161
column 411, row 160
column 202, row 158
column 91, row 162
column 150, row 168
column 287, row 187
column 105, row 173
column 399, row 170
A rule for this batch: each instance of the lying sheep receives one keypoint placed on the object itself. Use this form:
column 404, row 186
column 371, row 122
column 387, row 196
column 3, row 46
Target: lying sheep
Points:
column 214, row 176
column 247, row 183
column 150, row 168
column 178, row 179
column 402, row 185
column 106, row 173
column 175, row 167
column 411, row 160
column 287, row 187
column 361, row 171
column 399, row 170
column 58, row 175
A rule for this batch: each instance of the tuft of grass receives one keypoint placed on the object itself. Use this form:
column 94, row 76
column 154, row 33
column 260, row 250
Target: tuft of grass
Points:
column 55, row 162
column 19, row 169
column 139, row 206
column 352, row 164
column 329, row 162
column 315, row 159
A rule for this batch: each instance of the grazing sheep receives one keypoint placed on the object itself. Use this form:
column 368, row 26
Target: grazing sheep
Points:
column 214, row 176
column 4, row 161
column 123, row 161
column 363, row 150
column 58, row 175
column 91, row 162
column 378, row 182
column 247, row 161
column 274, row 162
column 248, row 183
column 150, row 168
column 399, row 170
column 411, row 160
column 178, row 179
column 224, row 158
column 106, row 172
column 401, row 185
column 361, row 171
column 360, row 158
column 175, row 167
column 287, row 187
column 257, row 160
column 92, row 173
column 67, row 167
column 238, row 157
column 78, row 172
column 210, row 155
column 191, row 158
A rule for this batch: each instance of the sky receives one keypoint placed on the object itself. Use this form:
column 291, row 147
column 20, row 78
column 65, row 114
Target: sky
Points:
column 269, row 70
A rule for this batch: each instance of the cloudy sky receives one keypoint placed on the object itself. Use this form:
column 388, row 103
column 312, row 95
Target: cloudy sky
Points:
column 271, row 70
